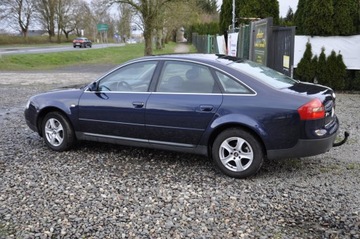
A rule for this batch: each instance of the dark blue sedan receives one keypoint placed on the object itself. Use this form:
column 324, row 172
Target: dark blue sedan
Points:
column 235, row 111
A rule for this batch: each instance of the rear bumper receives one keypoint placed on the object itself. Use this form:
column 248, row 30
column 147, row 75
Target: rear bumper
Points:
column 304, row 148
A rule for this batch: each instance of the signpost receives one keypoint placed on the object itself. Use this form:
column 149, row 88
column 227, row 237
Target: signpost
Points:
column 103, row 29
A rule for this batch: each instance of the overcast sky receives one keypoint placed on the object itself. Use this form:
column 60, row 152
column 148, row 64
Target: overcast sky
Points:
column 284, row 6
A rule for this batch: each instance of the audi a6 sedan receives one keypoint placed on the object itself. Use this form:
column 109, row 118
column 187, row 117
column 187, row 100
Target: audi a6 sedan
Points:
column 234, row 111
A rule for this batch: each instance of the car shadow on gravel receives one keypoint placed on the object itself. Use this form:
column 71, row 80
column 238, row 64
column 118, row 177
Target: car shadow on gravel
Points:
column 113, row 157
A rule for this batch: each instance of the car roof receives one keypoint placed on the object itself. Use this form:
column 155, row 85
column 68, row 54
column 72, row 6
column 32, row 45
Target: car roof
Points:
column 198, row 57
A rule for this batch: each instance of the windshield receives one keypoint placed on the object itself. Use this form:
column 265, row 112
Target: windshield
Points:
column 264, row 74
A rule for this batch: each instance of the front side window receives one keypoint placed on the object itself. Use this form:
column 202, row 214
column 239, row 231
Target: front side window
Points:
column 135, row 77
column 186, row 77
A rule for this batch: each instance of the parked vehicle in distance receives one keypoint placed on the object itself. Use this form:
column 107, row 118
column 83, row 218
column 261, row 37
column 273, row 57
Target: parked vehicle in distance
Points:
column 235, row 111
column 82, row 42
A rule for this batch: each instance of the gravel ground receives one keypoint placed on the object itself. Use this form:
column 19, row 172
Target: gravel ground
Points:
column 109, row 191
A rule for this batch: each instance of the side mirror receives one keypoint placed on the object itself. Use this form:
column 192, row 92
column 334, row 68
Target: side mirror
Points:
column 93, row 87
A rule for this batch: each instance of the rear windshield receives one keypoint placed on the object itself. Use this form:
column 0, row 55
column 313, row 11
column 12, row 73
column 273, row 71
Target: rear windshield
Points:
column 264, row 74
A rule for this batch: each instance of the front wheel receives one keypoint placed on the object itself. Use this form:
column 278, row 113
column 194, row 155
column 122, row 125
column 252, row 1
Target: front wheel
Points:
column 57, row 132
column 237, row 153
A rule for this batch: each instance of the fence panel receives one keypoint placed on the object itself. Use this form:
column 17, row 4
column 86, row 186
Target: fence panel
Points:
column 282, row 53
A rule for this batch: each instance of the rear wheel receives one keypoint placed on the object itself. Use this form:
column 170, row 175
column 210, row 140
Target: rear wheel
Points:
column 237, row 153
column 57, row 132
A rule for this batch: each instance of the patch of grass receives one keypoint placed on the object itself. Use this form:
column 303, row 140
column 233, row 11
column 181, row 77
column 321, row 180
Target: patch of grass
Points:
column 46, row 61
column 353, row 166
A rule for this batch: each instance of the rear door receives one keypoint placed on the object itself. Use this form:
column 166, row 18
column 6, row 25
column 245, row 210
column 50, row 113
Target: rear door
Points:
column 184, row 103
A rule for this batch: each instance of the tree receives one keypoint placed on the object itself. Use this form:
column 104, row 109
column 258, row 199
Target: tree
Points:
column 289, row 19
column 319, row 21
column 336, row 71
column 46, row 15
column 178, row 15
column 125, row 14
column 328, row 17
column 305, row 70
column 321, row 70
column 83, row 18
column 246, row 9
column 19, row 13
column 225, row 15
column 207, row 6
column 344, row 16
column 149, row 11
column 300, row 16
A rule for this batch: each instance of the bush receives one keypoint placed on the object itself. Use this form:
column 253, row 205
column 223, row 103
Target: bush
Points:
column 330, row 71
column 305, row 70
column 353, row 81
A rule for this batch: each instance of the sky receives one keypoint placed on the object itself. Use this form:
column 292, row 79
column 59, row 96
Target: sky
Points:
column 284, row 6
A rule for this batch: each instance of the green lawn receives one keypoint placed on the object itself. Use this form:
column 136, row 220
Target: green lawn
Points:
column 47, row 61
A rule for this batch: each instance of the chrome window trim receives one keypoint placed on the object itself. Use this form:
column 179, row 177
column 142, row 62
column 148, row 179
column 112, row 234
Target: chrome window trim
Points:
column 181, row 60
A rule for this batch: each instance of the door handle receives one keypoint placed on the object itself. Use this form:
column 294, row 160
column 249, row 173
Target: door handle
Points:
column 206, row 108
column 138, row 104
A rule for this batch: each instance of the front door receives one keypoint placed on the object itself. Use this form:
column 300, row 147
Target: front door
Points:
column 117, row 108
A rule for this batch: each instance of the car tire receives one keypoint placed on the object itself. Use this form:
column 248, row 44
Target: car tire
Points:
column 237, row 153
column 57, row 132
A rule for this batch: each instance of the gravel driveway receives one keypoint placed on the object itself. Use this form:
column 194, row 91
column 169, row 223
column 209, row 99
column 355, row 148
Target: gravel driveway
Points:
column 109, row 191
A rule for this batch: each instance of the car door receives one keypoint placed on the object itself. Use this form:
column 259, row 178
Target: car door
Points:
column 116, row 110
column 184, row 103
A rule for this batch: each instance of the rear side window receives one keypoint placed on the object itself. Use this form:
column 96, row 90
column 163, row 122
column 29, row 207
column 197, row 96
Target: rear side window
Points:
column 186, row 77
column 264, row 74
column 232, row 86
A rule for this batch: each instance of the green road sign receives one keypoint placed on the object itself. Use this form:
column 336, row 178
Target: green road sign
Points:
column 102, row 27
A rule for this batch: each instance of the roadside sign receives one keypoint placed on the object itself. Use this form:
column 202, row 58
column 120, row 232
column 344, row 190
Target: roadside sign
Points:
column 102, row 27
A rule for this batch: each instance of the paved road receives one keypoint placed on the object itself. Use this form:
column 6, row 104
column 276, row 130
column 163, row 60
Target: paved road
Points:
column 36, row 49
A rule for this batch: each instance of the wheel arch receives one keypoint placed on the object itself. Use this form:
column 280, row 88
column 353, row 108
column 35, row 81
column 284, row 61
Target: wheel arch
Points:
column 47, row 110
column 227, row 126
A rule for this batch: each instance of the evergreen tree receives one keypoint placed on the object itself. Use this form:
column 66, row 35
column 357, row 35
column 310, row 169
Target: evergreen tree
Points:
column 305, row 71
column 341, row 73
column 319, row 21
column 248, row 9
column 336, row 71
column 258, row 9
column 208, row 6
column 225, row 15
column 344, row 17
column 289, row 19
column 290, row 15
column 314, row 66
column 300, row 16
column 321, row 70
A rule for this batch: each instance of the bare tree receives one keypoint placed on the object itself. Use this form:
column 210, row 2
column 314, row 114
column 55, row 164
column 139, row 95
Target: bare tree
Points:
column 18, row 13
column 149, row 11
column 126, row 13
column 83, row 17
column 47, row 10
column 66, row 12
column 180, row 14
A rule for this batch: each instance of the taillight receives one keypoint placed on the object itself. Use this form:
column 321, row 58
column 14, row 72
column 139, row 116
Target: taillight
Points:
column 312, row 110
